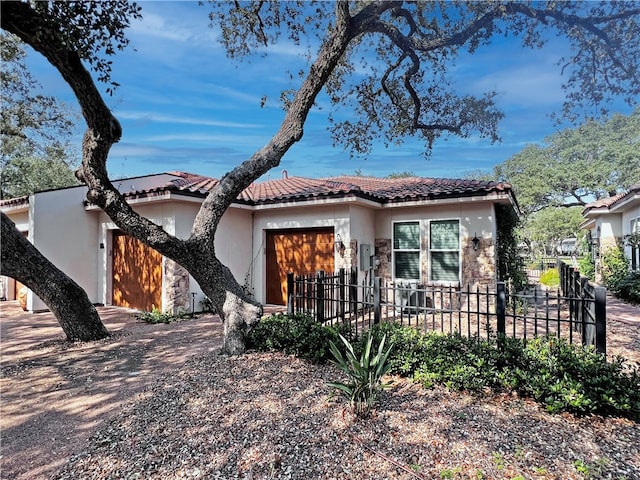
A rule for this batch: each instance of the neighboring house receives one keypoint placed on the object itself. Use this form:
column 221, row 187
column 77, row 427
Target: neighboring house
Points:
column 410, row 230
column 608, row 221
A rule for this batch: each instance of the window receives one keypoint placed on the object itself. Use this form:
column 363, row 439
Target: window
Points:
column 444, row 248
column 406, row 250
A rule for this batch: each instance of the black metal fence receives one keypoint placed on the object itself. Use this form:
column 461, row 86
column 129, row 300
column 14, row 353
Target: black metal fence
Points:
column 577, row 313
column 535, row 267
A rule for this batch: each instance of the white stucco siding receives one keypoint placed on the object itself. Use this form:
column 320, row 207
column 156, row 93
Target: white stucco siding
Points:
column 609, row 229
column 21, row 219
column 233, row 244
column 362, row 230
column 308, row 216
column 475, row 218
column 627, row 217
column 63, row 232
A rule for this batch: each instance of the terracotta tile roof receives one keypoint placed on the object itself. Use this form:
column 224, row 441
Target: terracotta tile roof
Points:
column 609, row 202
column 192, row 182
column 380, row 189
column 296, row 188
column 422, row 188
column 186, row 183
column 301, row 188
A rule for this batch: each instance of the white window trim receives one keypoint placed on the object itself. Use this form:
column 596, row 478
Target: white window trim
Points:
column 394, row 250
column 429, row 250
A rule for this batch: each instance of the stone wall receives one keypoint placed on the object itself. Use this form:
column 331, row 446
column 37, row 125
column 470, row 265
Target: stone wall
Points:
column 478, row 266
column 175, row 283
column 382, row 251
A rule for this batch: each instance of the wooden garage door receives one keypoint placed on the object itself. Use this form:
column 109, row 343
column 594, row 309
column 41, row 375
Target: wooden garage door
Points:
column 297, row 251
column 137, row 274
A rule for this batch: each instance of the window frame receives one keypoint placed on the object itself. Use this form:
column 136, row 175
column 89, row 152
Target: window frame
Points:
column 395, row 250
column 457, row 251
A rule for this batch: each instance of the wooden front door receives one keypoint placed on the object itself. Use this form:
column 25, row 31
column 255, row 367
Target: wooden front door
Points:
column 137, row 274
column 297, row 251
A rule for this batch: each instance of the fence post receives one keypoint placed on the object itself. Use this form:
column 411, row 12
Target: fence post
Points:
column 341, row 291
column 290, row 295
column 353, row 291
column 377, row 312
column 320, row 297
column 600, row 295
column 501, row 308
column 587, row 329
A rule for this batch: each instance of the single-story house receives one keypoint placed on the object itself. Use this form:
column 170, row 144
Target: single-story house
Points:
column 413, row 229
column 609, row 221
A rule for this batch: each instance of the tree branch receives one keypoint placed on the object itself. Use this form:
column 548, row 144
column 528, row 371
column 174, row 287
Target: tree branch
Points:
column 103, row 129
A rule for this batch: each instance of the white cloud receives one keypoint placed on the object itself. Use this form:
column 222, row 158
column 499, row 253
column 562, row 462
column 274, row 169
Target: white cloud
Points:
column 174, row 21
column 174, row 119
column 243, row 140
column 529, row 86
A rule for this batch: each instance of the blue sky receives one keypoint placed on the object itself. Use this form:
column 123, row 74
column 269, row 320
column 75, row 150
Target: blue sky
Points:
column 184, row 106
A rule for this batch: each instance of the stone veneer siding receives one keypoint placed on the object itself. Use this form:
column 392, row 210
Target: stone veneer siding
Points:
column 175, row 288
column 478, row 266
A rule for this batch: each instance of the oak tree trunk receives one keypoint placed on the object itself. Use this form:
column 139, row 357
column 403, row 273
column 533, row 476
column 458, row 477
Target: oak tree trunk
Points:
column 237, row 310
column 65, row 298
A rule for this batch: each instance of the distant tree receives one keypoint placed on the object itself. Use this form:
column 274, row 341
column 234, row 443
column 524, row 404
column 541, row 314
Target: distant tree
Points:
column 479, row 174
column 35, row 153
column 575, row 166
column 407, row 50
column 543, row 230
column 404, row 174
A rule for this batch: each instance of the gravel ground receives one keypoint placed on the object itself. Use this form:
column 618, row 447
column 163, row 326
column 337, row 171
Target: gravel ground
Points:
column 158, row 402
column 271, row 416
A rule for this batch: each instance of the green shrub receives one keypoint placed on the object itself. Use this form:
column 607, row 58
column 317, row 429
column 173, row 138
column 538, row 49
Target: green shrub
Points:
column 614, row 268
column 550, row 278
column 156, row 316
column 561, row 376
column 206, row 304
column 458, row 362
column 587, row 267
column 365, row 372
column 408, row 346
column 629, row 287
column 297, row 334
column 573, row 378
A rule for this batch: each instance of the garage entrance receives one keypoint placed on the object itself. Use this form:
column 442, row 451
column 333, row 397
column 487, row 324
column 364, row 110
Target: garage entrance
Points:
column 299, row 251
column 137, row 274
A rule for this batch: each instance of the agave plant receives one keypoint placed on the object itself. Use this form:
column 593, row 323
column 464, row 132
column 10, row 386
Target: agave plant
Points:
column 365, row 373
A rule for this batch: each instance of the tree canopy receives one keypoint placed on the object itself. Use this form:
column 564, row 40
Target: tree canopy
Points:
column 406, row 51
column 543, row 230
column 576, row 166
column 35, row 130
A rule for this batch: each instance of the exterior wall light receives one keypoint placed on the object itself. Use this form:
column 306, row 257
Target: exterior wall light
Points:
column 475, row 241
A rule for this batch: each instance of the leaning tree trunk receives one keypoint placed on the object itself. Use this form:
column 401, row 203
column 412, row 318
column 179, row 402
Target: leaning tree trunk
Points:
column 65, row 298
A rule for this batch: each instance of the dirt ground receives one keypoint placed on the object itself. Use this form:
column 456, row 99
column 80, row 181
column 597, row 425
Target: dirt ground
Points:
column 53, row 394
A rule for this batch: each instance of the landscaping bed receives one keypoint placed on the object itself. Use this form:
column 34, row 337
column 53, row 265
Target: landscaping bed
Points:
column 157, row 401
column 269, row 415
